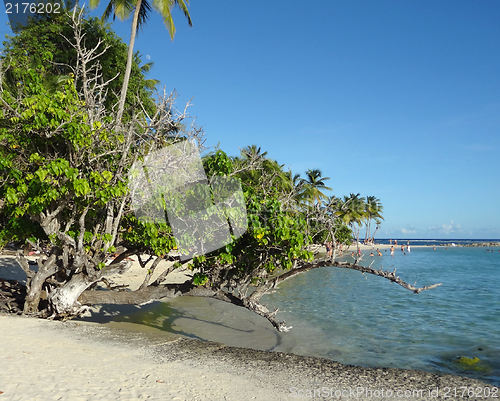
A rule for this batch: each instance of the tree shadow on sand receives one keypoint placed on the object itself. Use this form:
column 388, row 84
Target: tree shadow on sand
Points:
column 156, row 315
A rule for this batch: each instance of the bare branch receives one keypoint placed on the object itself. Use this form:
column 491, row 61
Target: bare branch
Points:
column 66, row 239
column 150, row 273
column 391, row 276
column 23, row 262
column 81, row 221
column 163, row 276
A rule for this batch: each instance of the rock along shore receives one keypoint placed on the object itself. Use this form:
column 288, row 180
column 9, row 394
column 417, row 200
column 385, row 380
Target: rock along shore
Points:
column 482, row 244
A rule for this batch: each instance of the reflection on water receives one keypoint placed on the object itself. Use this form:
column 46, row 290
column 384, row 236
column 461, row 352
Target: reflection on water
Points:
column 198, row 318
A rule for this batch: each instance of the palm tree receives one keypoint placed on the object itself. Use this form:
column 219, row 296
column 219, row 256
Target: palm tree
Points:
column 252, row 152
column 373, row 211
column 250, row 155
column 376, row 228
column 122, row 9
column 352, row 212
column 314, row 183
column 293, row 183
column 150, row 83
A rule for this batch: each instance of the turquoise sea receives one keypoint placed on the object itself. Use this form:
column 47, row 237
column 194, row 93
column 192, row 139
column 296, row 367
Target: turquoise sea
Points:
column 367, row 321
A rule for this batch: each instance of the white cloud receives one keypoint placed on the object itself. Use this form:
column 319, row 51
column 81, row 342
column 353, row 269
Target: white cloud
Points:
column 447, row 228
column 410, row 230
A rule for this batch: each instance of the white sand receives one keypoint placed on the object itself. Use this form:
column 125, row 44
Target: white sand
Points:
column 42, row 362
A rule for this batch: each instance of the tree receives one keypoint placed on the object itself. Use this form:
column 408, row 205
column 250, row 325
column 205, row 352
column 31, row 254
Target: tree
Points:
column 66, row 175
column 257, row 165
column 297, row 186
column 325, row 225
column 50, row 37
column 314, row 183
column 373, row 211
column 352, row 212
column 142, row 8
column 66, row 170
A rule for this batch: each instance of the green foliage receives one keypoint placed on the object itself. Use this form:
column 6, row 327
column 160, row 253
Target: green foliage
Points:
column 274, row 240
column 200, row 278
column 343, row 234
column 149, row 237
column 33, row 182
column 48, row 147
column 44, row 40
column 217, row 163
column 313, row 186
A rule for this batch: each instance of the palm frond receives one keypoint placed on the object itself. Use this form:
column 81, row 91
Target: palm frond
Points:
column 144, row 11
column 146, row 67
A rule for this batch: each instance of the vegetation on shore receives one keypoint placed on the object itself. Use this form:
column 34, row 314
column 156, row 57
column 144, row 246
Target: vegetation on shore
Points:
column 66, row 159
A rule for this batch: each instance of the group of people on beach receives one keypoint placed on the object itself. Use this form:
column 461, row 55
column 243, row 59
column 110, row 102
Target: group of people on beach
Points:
column 403, row 246
column 369, row 241
column 408, row 248
column 329, row 248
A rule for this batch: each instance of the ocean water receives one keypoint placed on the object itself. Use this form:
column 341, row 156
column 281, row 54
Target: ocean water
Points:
column 372, row 322
column 342, row 315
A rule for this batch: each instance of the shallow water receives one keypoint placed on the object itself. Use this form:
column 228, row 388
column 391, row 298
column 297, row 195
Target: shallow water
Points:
column 341, row 315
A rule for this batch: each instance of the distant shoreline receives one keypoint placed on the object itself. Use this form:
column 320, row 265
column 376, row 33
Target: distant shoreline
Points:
column 322, row 249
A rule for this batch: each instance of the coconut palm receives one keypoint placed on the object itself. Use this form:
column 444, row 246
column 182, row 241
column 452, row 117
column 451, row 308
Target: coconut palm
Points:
column 252, row 152
column 150, row 83
column 256, row 167
column 352, row 212
column 352, row 209
column 373, row 209
column 314, row 183
column 142, row 8
column 250, row 155
column 294, row 183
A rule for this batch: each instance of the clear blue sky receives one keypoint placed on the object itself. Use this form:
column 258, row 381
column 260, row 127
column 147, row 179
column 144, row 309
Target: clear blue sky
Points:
column 397, row 99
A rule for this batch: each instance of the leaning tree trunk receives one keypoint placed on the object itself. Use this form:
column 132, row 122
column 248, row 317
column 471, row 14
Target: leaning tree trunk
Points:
column 64, row 300
column 36, row 280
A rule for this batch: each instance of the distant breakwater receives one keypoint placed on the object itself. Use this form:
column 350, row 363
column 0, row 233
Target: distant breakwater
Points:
column 472, row 244
column 483, row 244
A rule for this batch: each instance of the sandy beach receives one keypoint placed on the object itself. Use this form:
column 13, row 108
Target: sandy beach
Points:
column 75, row 360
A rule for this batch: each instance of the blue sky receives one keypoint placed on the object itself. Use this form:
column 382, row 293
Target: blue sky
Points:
column 397, row 99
